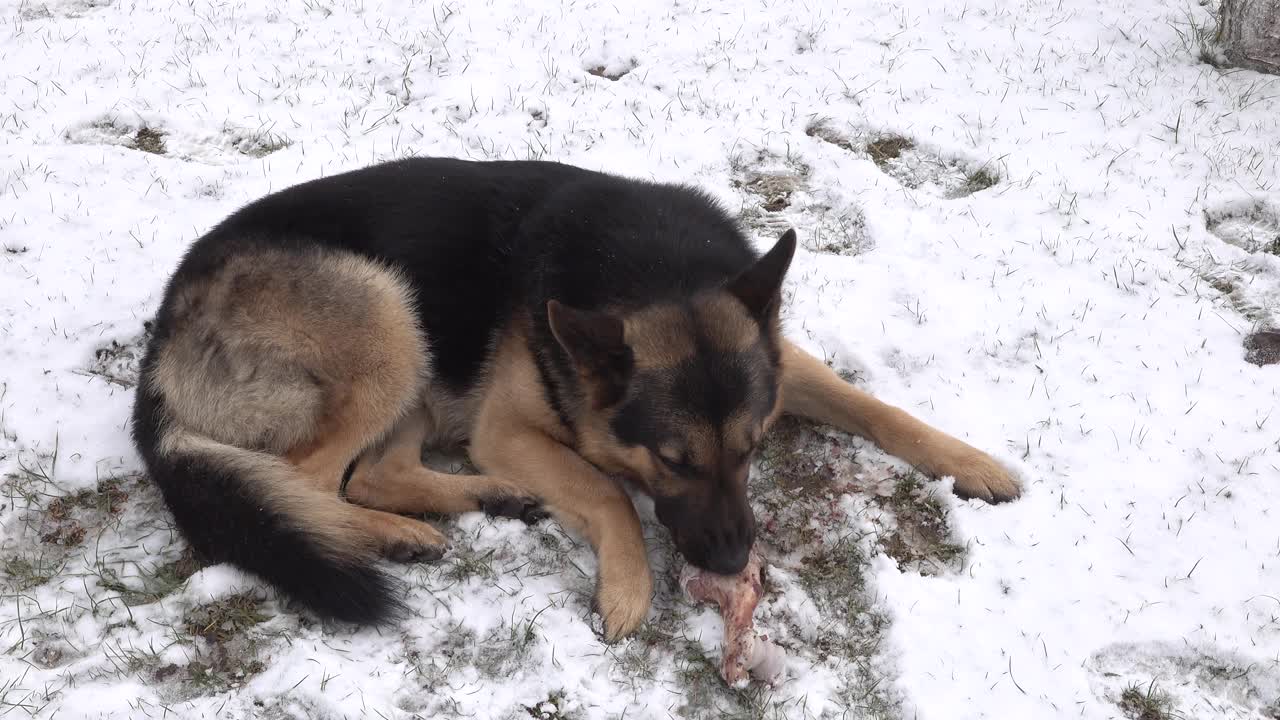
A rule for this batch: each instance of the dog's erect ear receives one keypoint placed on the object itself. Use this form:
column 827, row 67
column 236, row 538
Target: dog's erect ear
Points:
column 759, row 287
column 597, row 346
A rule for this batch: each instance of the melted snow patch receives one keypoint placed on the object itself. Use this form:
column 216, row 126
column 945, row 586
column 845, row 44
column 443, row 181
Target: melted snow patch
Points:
column 1197, row 682
column 1250, row 224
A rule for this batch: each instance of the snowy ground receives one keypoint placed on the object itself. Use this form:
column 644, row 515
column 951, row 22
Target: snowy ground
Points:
column 1046, row 227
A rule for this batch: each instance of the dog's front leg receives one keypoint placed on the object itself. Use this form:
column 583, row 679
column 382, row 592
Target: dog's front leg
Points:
column 581, row 498
column 811, row 389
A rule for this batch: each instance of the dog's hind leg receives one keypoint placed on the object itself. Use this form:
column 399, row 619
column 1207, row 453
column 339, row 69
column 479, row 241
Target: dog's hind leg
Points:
column 400, row 538
column 324, row 462
column 392, row 478
column 313, row 356
column 812, row 390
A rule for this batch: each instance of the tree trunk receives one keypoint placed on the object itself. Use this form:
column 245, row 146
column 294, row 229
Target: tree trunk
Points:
column 1249, row 33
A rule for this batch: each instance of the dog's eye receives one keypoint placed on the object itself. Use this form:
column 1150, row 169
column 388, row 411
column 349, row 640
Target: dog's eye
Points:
column 679, row 465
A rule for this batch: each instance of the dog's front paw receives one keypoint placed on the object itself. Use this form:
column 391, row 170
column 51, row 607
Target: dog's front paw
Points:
column 623, row 598
column 978, row 475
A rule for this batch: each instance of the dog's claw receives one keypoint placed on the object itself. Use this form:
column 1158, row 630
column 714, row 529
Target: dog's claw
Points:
column 404, row 552
column 978, row 475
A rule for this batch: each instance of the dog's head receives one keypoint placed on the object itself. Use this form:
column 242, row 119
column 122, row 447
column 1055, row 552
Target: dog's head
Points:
column 678, row 395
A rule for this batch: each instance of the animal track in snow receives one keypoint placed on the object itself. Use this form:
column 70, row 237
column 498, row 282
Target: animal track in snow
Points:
column 780, row 198
column 228, row 143
column 1251, row 225
column 117, row 362
column 1194, row 682
column 1262, row 348
column 915, row 166
column 769, row 178
column 1251, row 282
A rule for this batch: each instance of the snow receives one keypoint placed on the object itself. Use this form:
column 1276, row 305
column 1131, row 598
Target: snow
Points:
column 1082, row 319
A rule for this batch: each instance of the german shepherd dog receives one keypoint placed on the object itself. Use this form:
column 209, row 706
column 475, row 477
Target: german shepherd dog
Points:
column 573, row 330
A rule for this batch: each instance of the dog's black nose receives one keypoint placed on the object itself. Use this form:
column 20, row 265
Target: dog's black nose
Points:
column 728, row 560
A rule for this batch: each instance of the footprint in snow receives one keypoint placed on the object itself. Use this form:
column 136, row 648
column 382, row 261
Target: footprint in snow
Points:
column 914, row 165
column 1166, row 680
column 226, row 143
column 117, row 361
column 778, row 197
column 1252, row 225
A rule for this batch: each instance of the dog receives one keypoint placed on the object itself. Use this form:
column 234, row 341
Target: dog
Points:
column 575, row 331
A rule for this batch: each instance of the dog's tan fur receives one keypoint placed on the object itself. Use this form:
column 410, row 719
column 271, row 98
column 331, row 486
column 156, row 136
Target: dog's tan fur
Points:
column 518, row 436
column 811, row 389
column 321, row 376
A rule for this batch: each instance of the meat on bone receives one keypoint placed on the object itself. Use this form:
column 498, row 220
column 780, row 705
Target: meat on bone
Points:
column 745, row 652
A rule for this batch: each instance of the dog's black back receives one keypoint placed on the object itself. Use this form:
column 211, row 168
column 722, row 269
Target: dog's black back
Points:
column 478, row 240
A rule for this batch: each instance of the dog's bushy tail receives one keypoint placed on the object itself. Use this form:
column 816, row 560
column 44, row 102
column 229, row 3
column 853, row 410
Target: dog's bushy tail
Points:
column 252, row 510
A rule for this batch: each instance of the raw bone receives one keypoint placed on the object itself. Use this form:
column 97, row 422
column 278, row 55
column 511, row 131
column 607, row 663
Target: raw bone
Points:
column 744, row 650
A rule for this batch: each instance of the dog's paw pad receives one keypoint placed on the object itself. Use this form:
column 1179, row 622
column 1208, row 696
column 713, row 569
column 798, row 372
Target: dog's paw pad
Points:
column 526, row 509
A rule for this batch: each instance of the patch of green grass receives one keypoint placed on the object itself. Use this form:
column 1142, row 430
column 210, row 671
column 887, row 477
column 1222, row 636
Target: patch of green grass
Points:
column 59, row 522
column 600, row 72
column 157, row 581
column 804, row 473
column 1222, row 284
column 553, row 708
column 977, row 181
column 224, row 669
column 228, row 656
column 832, row 574
column 107, row 497
column 773, row 189
column 820, row 130
column 437, row 667
column 465, row 564
column 791, row 455
column 29, row 570
column 705, row 694
column 1262, row 347
column 770, row 178
column 66, row 520
column 256, row 143
column 650, row 645
column 1201, row 38
column 33, row 11
column 834, row 577
column 66, row 534
column 841, row 233
column 133, row 660
column 1149, row 703
column 170, row 576
column 899, row 157
column 886, row 148
column 921, row 539
column 222, row 620
column 507, row 647
column 149, row 140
